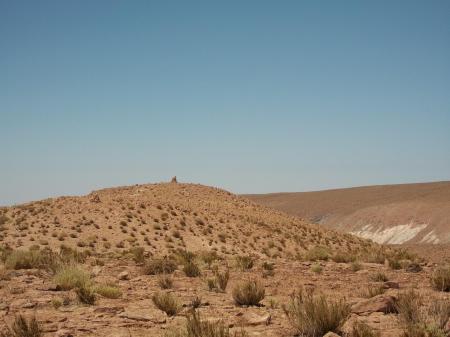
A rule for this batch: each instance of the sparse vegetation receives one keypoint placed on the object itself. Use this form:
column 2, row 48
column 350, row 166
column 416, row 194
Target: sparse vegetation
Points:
column 191, row 269
column 167, row 303
column 317, row 253
column 108, row 290
column 23, row 327
column 197, row 327
column 165, row 281
column 440, row 280
column 244, row 262
column 313, row 316
column 378, row 277
column 71, row 276
column 160, row 266
column 248, row 293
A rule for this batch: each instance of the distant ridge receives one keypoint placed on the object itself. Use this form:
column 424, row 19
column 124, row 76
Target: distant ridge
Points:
column 392, row 214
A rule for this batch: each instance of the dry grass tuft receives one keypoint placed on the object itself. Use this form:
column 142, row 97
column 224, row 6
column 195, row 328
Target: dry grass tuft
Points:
column 23, row 328
column 70, row 277
column 160, row 266
column 248, row 293
column 313, row 316
column 440, row 280
column 167, row 303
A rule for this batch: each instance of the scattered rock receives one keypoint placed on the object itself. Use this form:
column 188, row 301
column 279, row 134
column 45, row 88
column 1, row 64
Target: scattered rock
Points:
column 64, row 333
column 95, row 198
column 96, row 271
column 123, row 276
column 391, row 285
column 250, row 318
column 379, row 303
column 413, row 268
column 331, row 334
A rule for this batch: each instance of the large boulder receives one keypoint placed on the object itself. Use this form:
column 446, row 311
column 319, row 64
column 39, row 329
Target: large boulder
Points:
column 380, row 303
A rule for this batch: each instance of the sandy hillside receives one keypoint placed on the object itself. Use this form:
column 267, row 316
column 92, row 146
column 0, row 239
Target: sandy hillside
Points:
column 163, row 218
column 394, row 214
column 141, row 260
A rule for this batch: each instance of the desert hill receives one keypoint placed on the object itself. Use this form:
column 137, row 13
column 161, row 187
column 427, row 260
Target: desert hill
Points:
column 185, row 260
column 163, row 218
column 393, row 214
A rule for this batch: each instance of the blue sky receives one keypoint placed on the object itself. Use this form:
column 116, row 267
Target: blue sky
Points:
column 251, row 96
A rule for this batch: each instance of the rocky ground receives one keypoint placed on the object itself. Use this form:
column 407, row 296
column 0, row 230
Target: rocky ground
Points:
column 113, row 235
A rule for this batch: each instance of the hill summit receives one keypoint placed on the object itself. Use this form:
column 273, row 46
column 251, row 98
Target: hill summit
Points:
column 165, row 217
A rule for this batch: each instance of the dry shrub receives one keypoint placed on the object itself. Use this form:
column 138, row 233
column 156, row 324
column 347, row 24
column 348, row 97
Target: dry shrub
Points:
column 70, row 276
column 166, row 302
column 23, row 328
column 191, row 269
column 248, row 293
column 379, row 277
column 314, row 316
column 317, row 253
column 408, row 306
column 138, row 254
column 29, row 259
column 343, row 257
column 160, row 266
column 108, row 290
column 165, row 281
column 244, row 262
column 374, row 290
column 419, row 321
column 440, row 280
column 197, row 327
column 86, row 294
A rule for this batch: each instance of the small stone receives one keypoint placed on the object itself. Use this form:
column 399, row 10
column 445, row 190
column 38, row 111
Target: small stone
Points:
column 391, row 285
column 64, row 333
column 413, row 268
column 29, row 305
column 250, row 318
column 331, row 334
column 96, row 271
column 123, row 276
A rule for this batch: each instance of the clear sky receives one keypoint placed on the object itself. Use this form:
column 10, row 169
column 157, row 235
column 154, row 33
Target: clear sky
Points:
column 251, row 96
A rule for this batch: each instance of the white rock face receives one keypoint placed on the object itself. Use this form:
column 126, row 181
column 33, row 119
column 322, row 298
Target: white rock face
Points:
column 431, row 237
column 393, row 235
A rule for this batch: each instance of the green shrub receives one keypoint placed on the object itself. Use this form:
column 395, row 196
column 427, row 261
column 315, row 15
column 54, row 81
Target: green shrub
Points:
column 314, row 316
column 248, row 293
column 167, row 303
